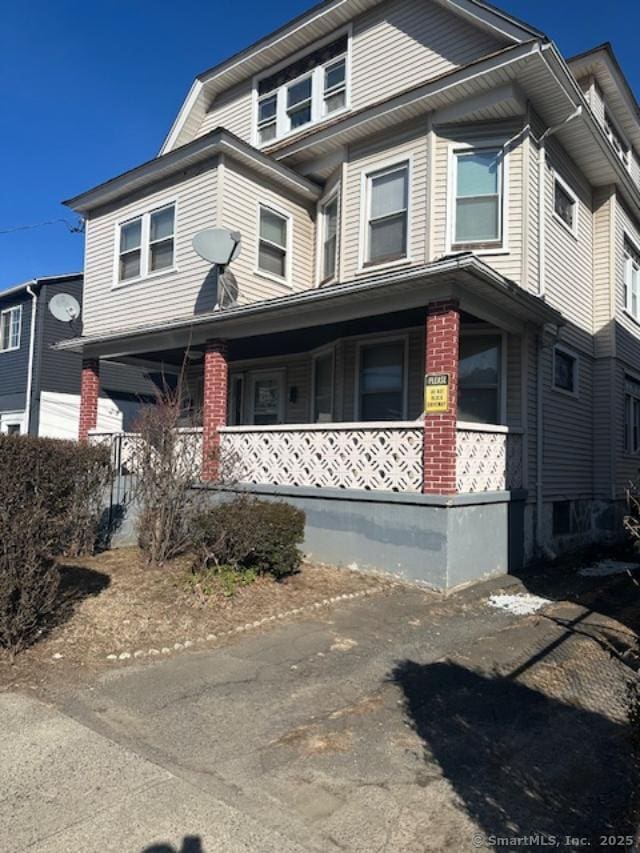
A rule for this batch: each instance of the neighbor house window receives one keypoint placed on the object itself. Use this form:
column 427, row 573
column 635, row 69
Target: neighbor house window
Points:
column 477, row 203
column 615, row 138
column 146, row 244
column 273, row 243
column 479, row 379
column 632, row 281
column 631, row 415
column 381, row 381
column 304, row 91
column 323, row 387
column 565, row 205
column 565, row 370
column 387, row 215
column 329, row 239
column 10, row 328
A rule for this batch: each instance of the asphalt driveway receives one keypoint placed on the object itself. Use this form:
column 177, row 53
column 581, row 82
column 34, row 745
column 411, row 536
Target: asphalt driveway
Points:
column 404, row 722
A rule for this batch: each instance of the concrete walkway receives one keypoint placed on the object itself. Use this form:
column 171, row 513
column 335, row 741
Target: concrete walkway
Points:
column 405, row 722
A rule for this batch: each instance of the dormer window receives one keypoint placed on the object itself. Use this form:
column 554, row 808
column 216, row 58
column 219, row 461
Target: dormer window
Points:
column 615, row 138
column 303, row 91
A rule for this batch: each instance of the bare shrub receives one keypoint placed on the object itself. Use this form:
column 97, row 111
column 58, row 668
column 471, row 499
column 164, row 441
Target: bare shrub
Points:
column 50, row 505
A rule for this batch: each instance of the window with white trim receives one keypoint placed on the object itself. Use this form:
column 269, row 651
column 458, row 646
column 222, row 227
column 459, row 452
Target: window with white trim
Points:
column 304, row 91
column 329, row 214
column 10, row 328
column 387, row 214
column 615, row 138
column 631, row 414
column 273, row 243
column 565, row 204
column 565, row 370
column 478, row 197
column 146, row 244
column 632, row 281
column 381, row 381
column 480, row 378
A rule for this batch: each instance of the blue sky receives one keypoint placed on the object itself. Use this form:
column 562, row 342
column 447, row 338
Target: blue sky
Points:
column 89, row 90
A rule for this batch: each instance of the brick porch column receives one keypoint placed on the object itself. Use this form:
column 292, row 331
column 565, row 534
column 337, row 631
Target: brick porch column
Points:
column 440, row 429
column 89, row 394
column 214, row 407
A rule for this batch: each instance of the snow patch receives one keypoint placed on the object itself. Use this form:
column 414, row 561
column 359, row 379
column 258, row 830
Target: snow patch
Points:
column 607, row 567
column 523, row 604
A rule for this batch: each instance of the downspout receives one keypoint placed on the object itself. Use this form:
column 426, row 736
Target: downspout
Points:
column 32, row 347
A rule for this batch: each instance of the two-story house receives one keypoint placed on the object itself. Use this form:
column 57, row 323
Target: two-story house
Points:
column 435, row 348
column 40, row 386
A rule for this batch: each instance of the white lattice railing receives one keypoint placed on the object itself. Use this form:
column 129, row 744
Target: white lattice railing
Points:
column 124, row 446
column 489, row 458
column 385, row 456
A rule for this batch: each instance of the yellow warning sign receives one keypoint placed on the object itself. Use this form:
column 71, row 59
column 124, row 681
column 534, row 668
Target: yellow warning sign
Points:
column 436, row 392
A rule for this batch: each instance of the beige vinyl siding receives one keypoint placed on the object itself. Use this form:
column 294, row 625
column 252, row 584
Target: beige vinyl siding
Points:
column 531, row 153
column 410, row 145
column 603, row 285
column 169, row 295
column 402, row 43
column 569, row 258
column 627, row 329
column 508, row 263
column 242, row 192
column 233, row 110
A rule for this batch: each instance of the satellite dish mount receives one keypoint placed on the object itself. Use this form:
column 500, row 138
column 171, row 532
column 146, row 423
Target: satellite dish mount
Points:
column 220, row 246
column 64, row 307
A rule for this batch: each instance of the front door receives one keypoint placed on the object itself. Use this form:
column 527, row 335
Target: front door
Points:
column 267, row 398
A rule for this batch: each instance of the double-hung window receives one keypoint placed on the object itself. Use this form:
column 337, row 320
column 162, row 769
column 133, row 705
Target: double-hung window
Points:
column 632, row 281
column 329, row 239
column 631, row 415
column 303, row 91
column 381, row 381
column 273, row 243
column 479, row 378
column 478, row 197
column 565, row 205
column 146, row 244
column 387, row 214
column 10, row 328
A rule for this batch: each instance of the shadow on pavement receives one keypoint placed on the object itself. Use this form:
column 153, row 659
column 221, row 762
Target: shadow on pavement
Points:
column 190, row 844
column 521, row 762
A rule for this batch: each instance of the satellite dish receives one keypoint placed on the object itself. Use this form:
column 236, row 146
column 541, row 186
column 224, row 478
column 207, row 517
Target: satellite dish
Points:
column 64, row 307
column 217, row 245
column 227, row 290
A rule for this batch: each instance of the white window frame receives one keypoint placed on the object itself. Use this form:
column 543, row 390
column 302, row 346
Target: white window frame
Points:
column 503, row 367
column 372, row 340
column 323, row 352
column 634, row 398
column 483, row 247
column 14, row 309
column 145, row 245
column 614, row 134
column 8, row 419
column 333, row 194
column 286, row 280
column 278, row 373
column 572, row 229
column 576, row 376
column 342, row 87
column 318, row 113
column 366, row 175
column 629, row 263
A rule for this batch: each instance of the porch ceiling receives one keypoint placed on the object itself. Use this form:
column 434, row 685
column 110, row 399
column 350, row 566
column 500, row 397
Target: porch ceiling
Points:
column 480, row 290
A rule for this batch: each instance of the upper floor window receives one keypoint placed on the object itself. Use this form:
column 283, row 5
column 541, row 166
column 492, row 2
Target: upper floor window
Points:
column 478, row 197
column 146, row 244
column 303, row 91
column 615, row 138
column 632, row 281
column 387, row 214
column 329, row 238
column 10, row 328
column 273, row 243
column 565, row 205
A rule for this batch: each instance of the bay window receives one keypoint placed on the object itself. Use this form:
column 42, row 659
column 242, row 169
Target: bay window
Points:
column 478, row 197
column 381, row 381
column 387, row 214
column 146, row 244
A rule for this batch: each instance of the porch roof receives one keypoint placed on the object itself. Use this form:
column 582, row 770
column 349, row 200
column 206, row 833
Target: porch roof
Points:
column 480, row 290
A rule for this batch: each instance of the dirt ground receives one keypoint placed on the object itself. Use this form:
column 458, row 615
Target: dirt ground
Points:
column 113, row 604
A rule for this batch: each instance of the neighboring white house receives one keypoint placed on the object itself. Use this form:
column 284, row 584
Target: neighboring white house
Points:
column 435, row 204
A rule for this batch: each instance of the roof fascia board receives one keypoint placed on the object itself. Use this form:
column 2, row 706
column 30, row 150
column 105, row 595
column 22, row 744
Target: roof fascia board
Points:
column 604, row 53
column 179, row 122
column 38, row 282
column 217, row 141
column 493, row 20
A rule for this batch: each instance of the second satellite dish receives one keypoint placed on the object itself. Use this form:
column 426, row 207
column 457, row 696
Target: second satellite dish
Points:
column 64, row 307
column 217, row 245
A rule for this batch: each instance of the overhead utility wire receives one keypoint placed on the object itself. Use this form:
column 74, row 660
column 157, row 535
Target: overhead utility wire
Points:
column 74, row 228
